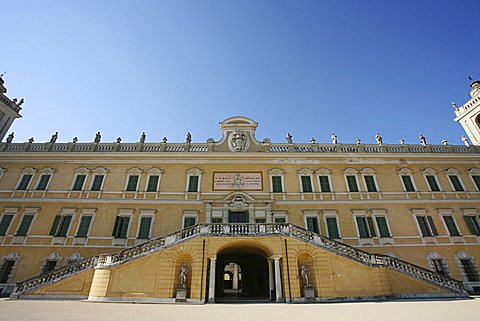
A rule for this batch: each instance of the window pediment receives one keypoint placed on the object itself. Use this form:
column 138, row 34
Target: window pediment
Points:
column 134, row 171
column 276, row 172
column 429, row 171
column 452, row 171
column 405, row 171
column 195, row 171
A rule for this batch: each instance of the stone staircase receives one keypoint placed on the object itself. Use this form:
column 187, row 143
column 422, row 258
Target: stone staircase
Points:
column 235, row 230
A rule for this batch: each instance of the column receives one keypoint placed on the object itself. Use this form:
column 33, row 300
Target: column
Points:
column 270, row 278
column 278, row 279
column 211, row 284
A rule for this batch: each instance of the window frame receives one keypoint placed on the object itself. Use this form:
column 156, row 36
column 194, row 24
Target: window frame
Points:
column 433, row 232
column 58, row 228
column 369, row 172
column 85, row 212
column 189, row 214
column 452, row 172
column 12, row 256
column 96, row 172
column 153, row 172
column 132, row 172
column 474, row 172
column 448, row 213
column 311, row 214
column 435, row 256
column 26, row 171
column 42, row 172
column 351, row 172
column 408, row 173
column 34, row 213
column 332, row 214
column 194, row 172
column 280, row 173
column 147, row 214
column 8, row 211
column 464, row 256
column 473, row 213
column 124, row 213
column 431, row 172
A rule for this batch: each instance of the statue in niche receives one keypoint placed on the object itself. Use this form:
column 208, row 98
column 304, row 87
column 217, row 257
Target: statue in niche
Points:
column 142, row 138
column 423, row 140
column 289, row 139
column 10, row 138
column 183, row 276
column 98, row 138
column 464, row 140
column 334, row 138
column 379, row 139
column 54, row 138
column 238, row 140
column 188, row 140
column 305, row 273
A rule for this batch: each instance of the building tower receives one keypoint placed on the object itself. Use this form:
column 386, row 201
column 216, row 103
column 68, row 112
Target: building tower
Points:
column 469, row 113
column 9, row 110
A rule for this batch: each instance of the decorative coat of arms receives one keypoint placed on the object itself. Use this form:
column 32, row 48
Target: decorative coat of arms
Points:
column 238, row 201
column 238, row 141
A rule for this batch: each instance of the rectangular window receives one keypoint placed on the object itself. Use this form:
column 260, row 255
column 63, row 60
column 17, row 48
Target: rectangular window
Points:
column 470, row 270
column 50, row 265
column 79, row 181
column 439, row 266
column 408, row 183
column 132, row 183
column 259, row 221
column 42, row 184
column 382, row 226
column 324, row 184
column 24, row 182
column 426, row 226
column 312, row 225
column 60, row 225
column 193, row 183
column 5, row 223
column 451, row 226
column 220, row 220
column 84, row 226
column 121, row 226
column 306, row 184
column 332, row 228
column 277, row 184
column 144, row 230
column 457, row 186
column 152, row 183
column 97, row 182
column 365, row 226
column 432, row 182
column 473, row 224
column 280, row 220
column 352, row 184
column 189, row 221
column 370, row 182
column 476, row 180
column 5, row 270
column 24, row 225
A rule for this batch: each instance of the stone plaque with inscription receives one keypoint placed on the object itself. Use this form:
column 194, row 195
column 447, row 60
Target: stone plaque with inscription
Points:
column 237, row 181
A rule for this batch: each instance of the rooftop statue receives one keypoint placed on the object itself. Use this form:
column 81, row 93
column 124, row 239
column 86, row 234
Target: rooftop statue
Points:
column 10, row 138
column 465, row 141
column 20, row 103
column 31, row 140
column 423, row 140
column 164, row 140
column 401, row 141
column 98, row 138
column 54, row 138
column 358, row 141
column 312, row 140
column 119, row 140
column 289, row 138
column 142, row 138
column 188, row 139
column 334, row 138
column 75, row 140
column 379, row 139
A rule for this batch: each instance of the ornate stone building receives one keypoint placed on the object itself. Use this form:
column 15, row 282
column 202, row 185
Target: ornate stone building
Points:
column 239, row 219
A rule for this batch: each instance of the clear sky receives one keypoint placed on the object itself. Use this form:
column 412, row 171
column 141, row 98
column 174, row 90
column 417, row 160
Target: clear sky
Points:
column 306, row 67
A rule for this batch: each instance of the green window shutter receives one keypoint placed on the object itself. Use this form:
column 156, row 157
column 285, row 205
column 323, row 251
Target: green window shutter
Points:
column 432, row 182
column 370, row 182
column 5, row 223
column 407, row 182
column 306, row 184
column 79, row 181
column 383, row 226
column 277, row 184
column 312, row 225
column 152, row 183
column 423, row 226
column 476, row 179
column 116, row 227
column 44, row 179
column 324, row 184
column 84, row 226
column 193, row 183
column 280, row 220
column 123, row 228
column 5, row 270
column 451, row 226
column 132, row 183
column 352, row 184
column 473, row 224
column 56, row 221
column 24, row 182
column 189, row 221
column 144, row 230
column 371, row 227
column 332, row 228
column 24, row 225
column 432, row 226
column 457, row 186
column 362, row 227
column 97, row 183
column 64, row 225
column 257, row 220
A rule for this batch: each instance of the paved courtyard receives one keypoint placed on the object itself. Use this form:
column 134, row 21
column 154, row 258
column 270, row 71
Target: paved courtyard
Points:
column 439, row 310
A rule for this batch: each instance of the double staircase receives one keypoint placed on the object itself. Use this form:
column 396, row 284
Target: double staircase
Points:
column 235, row 230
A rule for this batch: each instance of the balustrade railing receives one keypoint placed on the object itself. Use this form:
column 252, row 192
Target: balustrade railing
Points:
column 241, row 229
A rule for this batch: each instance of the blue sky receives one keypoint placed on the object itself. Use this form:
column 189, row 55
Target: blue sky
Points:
column 306, row 67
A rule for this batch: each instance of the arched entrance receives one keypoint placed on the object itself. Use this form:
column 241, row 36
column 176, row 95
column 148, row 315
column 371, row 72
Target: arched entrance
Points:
column 241, row 275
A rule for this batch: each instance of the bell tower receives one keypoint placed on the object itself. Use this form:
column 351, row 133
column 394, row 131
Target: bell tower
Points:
column 9, row 110
column 468, row 115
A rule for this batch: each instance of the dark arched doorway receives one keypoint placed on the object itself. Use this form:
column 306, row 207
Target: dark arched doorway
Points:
column 241, row 275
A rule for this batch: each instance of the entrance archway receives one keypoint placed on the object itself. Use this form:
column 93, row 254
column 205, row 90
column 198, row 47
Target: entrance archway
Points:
column 241, row 275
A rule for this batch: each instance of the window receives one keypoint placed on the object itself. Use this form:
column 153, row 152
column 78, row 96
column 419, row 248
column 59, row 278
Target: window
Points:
column 370, row 183
column 277, row 184
column 439, row 266
column 280, row 219
column 152, row 185
column 84, row 226
column 144, row 229
column 132, row 183
column 469, row 269
column 332, row 227
column 5, row 224
column 189, row 221
column 193, row 180
column 43, row 182
column 365, row 226
column 408, row 183
column 97, row 183
column 476, row 180
column 324, row 184
column 24, row 182
column 218, row 220
column 306, row 184
column 49, row 265
column 193, row 184
column 6, row 270
column 312, row 224
column 79, row 182
column 451, row 226
column 432, row 183
column 457, row 185
column 352, row 183
column 473, row 224
column 425, row 222
column 382, row 226
column 25, row 225
column 120, row 228
column 257, row 221
column 60, row 225
column 474, row 174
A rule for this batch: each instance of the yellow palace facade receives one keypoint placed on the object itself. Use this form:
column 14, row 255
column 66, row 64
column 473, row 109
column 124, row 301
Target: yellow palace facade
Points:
column 238, row 219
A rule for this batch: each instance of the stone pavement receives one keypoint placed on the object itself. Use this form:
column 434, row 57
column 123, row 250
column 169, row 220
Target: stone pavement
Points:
column 424, row 310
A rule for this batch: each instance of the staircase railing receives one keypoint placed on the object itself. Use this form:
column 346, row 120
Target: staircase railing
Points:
column 336, row 247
